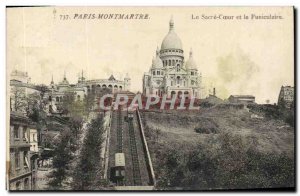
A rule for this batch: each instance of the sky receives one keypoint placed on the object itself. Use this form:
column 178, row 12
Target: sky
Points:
column 238, row 56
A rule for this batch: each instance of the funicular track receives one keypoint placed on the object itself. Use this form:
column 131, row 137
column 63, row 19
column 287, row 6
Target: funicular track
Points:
column 126, row 138
column 134, row 154
column 119, row 132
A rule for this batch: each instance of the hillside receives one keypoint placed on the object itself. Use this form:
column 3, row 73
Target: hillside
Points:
column 219, row 140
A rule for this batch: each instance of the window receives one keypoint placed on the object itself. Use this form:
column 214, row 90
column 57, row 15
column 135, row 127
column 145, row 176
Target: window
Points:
column 25, row 133
column 26, row 184
column 192, row 73
column 16, row 131
column 122, row 172
column 26, row 164
column 154, row 73
column 17, row 160
column 158, row 72
column 178, row 80
column 18, row 185
column 171, row 83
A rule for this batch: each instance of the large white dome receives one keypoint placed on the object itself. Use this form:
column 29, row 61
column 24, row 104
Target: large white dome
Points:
column 171, row 41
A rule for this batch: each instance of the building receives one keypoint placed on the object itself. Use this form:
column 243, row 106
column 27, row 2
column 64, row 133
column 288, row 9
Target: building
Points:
column 245, row 99
column 20, row 171
column 20, row 88
column 33, row 139
column 169, row 73
column 20, row 76
column 83, row 87
column 286, row 96
column 34, row 154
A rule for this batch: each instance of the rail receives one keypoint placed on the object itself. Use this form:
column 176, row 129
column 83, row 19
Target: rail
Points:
column 149, row 161
column 119, row 132
column 134, row 154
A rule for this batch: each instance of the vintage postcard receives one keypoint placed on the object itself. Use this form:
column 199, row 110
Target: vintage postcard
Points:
column 150, row 98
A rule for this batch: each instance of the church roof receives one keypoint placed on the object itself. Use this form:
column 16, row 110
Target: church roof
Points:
column 111, row 78
column 171, row 40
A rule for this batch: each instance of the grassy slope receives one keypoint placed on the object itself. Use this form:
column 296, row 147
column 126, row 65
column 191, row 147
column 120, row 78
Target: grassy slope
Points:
column 269, row 135
column 176, row 130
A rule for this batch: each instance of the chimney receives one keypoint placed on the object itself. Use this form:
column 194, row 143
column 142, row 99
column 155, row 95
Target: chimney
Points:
column 214, row 92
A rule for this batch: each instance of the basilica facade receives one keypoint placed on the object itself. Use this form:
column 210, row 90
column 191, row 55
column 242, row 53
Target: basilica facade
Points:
column 170, row 74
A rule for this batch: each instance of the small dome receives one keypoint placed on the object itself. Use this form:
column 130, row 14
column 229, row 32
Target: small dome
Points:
column 171, row 41
column 157, row 62
column 191, row 63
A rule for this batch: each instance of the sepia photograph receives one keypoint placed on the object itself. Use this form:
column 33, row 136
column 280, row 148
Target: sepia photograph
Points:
column 159, row 99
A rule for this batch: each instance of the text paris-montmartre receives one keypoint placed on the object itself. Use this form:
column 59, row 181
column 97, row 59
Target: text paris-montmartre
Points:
column 112, row 16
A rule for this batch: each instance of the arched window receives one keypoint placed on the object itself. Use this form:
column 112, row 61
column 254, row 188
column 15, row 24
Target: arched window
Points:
column 103, row 86
column 173, row 93
column 169, row 62
column 179, row 94
column 57, row 99
column 154, row 73
column 178, row 79
column 173, row 62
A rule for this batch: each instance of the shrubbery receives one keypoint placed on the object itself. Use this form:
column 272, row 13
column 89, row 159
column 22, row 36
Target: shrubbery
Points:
column 87, row 174
column 207, row 126
column 229, row 162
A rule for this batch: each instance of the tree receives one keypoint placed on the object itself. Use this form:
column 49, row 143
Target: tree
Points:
column 76, row 124
column 88, row 170
column 61, row 160
column 18, row 99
